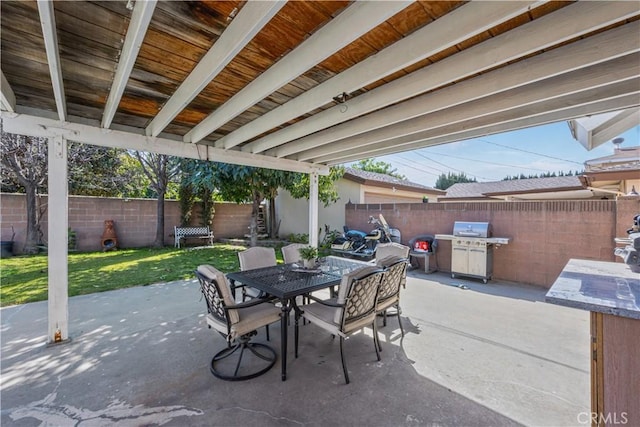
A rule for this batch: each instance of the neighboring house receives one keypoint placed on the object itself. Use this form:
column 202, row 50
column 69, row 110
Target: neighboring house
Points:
column 355, row 186
column 603, row 178
column 617, row 174
column 561, row 187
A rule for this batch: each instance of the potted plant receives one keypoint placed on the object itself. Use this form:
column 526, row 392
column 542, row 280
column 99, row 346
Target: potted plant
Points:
column 309, row 254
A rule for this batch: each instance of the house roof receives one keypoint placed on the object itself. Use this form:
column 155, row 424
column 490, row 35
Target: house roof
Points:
column 302, row 85
column 622, row 157
column 622, row 165
column 387, row 181
column 485, row 190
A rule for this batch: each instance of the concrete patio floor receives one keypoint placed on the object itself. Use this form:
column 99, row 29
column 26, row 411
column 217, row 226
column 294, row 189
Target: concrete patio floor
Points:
column 493, row 354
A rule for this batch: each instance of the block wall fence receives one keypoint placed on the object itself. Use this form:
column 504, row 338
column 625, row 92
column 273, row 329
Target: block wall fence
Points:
column 135, row 220
column 544, row 235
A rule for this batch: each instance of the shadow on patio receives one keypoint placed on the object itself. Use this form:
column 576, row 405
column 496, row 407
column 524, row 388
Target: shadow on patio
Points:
column 140, row 356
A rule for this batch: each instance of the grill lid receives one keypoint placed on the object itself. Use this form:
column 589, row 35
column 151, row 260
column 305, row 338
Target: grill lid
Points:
column 471, row 229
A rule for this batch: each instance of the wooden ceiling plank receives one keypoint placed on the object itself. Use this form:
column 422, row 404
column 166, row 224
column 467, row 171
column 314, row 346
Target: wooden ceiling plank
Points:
column 473, row 18
column 24, row 124
column 548, row 90
column 532, row 37
column 249, row 21
column 566, row 59
column 48, row 23
column 7, row 97
column 140, row 19
column 323, row 43
column 460, row 133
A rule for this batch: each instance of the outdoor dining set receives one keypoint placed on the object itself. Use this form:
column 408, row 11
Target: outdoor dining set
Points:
column 359, row 292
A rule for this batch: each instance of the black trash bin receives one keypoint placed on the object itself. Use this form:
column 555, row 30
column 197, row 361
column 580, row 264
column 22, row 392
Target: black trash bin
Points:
column 7, row 248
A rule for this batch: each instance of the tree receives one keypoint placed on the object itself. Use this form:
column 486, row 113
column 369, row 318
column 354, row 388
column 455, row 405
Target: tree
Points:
column 25, row 160
column 92, row 171
column 160, row 169
column 542, row 175
column 445, row 181
column 371, row 165
column 245, row 184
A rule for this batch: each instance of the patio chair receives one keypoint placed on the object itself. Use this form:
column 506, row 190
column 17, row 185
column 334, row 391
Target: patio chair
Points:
column 238, row 324
column 353, row 310
column 256, row 257
column 389, row 295
column 291, row 253
column 384, row 250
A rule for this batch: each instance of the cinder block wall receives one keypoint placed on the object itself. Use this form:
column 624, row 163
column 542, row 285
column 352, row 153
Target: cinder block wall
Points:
column 544, row 235
column 135, row 220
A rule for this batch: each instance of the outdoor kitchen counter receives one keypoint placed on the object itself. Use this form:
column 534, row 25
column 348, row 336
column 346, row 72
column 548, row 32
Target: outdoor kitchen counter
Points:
column 611, row 292
column 604, row 287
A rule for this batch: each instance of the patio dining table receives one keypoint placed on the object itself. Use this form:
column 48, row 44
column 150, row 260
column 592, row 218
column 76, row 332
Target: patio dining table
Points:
column 287, row 281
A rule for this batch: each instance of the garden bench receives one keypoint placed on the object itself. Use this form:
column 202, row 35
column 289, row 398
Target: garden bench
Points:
column 192, row 232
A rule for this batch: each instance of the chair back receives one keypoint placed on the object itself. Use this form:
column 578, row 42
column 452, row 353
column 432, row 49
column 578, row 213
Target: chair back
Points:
column 384, row 250
column 358, row 292
column 257, row 257
column 291, row 253
column 217, row 294
column 396, row 273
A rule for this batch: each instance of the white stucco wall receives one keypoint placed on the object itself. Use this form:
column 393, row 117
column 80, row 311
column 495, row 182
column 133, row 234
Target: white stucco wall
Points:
column 294, row 213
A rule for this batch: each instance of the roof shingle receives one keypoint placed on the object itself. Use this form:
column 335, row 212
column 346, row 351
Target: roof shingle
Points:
column 483, row 190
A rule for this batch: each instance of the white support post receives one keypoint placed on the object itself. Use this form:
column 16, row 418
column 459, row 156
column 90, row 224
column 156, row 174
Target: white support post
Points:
column 313, row 209
column 58, row 219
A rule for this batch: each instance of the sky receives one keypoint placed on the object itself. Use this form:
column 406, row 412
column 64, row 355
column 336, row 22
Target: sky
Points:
column 548, row 148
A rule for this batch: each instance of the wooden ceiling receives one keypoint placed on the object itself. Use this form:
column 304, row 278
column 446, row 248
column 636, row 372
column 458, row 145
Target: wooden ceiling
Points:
column 301, row 84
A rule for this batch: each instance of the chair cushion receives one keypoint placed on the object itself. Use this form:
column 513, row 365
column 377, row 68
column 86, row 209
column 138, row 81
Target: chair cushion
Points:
column 252, row 318
column 291, row 253
column 384, row 250
column 213, row 274
column 322, row 316
column 257, row 257
column 383, row 305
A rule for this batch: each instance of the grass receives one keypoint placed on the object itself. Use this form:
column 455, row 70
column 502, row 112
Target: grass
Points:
column 24, row 278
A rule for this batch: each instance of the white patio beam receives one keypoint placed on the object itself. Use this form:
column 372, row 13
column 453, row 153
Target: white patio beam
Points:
column 58, row 218
column 7, row 97
column 616, row 125
column 247, row 23
column 596, row 107
column 542, row 33
column 48, row 23
column 621, row 69
column 45, row 127
column 336, row 34
column 581, row 54
column 612, row 127
column 313, row 209
column 140, row 19
column 608, row 98
column 455, row 27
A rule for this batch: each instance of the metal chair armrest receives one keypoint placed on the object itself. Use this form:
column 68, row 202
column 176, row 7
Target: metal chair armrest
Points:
column 324, row 302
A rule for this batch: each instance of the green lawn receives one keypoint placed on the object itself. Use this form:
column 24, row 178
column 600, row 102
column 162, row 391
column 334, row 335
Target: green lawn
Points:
column 24, row 278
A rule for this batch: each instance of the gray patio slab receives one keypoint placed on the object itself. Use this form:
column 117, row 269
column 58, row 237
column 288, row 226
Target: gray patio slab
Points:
column 489, row 355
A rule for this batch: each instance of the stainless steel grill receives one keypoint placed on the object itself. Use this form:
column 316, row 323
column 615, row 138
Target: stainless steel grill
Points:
column 472, row 249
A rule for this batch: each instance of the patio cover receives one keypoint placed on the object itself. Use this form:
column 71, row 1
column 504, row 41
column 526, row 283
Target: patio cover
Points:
column 300, row 85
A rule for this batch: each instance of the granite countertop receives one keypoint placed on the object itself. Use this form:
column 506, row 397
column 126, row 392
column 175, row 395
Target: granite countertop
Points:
column 606, row 287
